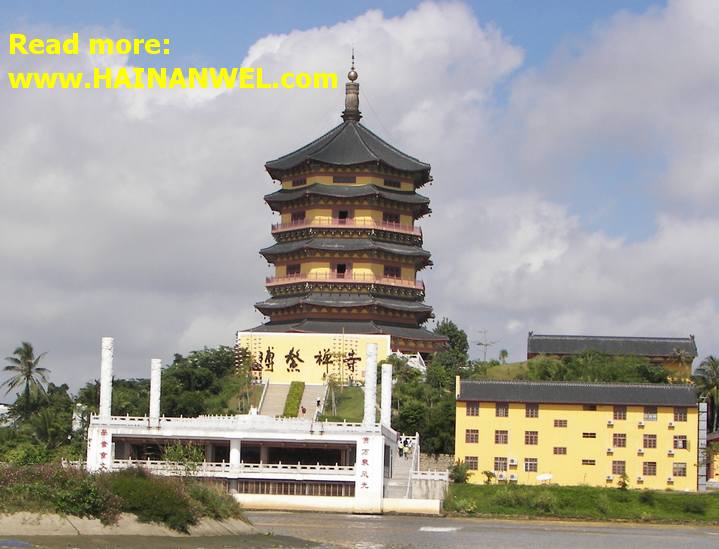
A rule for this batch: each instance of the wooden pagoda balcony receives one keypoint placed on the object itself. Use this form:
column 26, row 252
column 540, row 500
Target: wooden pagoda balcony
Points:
column 350, row 278
column 342, row 223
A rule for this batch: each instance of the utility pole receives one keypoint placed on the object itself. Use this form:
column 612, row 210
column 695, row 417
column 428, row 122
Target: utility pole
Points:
column 485, row 344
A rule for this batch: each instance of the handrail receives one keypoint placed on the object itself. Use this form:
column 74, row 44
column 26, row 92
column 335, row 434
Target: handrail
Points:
column 361, row 278
column 262, row 398
column 339, row 223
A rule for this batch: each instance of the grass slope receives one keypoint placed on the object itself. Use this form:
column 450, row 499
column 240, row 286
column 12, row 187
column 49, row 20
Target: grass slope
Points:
column 582, row 502
column 505, row 372
column 350, row 405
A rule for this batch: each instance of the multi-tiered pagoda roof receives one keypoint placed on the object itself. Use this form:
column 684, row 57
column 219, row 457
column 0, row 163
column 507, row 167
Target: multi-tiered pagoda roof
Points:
column 347, row 249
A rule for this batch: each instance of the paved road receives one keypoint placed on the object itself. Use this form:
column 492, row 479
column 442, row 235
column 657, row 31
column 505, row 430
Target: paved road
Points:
column 380, row 532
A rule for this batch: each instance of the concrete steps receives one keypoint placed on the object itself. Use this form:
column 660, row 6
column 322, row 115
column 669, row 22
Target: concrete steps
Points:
column 309, row 399
column 396, row 487
column 275, row 398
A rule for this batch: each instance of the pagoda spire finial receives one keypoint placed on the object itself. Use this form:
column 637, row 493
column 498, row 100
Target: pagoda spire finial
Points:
column 352, row 111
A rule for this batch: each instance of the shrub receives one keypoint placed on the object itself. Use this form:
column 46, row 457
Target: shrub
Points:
column 544, row 502
column 647, row 498
column 215, row 502
column 459, row 473
column 695, row 506
column 153, row 499
column 294, row 398
column 27, row 454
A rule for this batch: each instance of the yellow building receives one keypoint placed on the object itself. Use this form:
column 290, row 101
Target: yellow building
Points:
column 581, row 433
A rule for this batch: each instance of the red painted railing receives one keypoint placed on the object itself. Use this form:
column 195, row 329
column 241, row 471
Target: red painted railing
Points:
column 347, row 278
column 338, row 223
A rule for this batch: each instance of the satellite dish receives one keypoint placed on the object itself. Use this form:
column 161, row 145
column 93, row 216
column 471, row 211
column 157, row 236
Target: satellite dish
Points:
column 544, row 476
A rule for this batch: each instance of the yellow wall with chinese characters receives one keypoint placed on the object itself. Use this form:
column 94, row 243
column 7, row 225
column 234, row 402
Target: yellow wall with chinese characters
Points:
column 311, row 357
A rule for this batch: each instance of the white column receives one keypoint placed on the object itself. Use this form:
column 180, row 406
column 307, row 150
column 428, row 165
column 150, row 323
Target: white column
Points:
column 106, row 378
column 370, row 385
column 155, row 383
column 235, row 458
column 386, row 399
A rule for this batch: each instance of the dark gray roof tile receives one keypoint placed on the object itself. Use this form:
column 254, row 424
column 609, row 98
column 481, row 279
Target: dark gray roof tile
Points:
column 578, row 393
column 345, row 245
column 623, row 346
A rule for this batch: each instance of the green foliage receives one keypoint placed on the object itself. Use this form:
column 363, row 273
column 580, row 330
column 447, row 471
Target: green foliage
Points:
column 26, row 373
column 187, row 456
column 294, row 398
column 27, row 454
column 489, row 476
column 706, row 379
column 54, row 489
column 623, row 483
column 459, row 473
column 349, row 405
column 214, row 501
column 583, row 502
column 153, row 499
column 592, row 366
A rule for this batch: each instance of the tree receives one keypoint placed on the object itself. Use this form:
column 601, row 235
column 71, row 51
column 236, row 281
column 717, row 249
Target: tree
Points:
column 503, row 356
column 24, row 369
column 706, row 379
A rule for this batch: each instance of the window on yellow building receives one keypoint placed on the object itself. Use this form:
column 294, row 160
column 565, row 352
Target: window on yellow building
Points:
column 530, row 465
column 650, row 413
column 531, row 410
column 297, row 217
column 471, row 436
column 620, row 413
column 681, row 442
column 680, row 414
column 589, row 462
column 531, row 437
column 392, row 271
column 560, row 451
column 501, row 437
column 649, row 468
column 472, row 408
column 390, row 218
column 679, row 469
column 619, row 467
column 394, row 183
column 589, row 407
column 500, row 464
column 472, row 462
column 293, row 270
column 619, row 440
column 299, row 181
column 560, row 422
column 589, row 435
column 344, row 179
column 501, row 409
column 650, row 441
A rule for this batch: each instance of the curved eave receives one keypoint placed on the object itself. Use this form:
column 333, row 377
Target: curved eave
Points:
column 350, row 144
column 344, row 245
column 284, row 196
column 343, row 301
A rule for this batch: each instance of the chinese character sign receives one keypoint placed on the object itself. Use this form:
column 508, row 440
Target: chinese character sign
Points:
column 312, row 358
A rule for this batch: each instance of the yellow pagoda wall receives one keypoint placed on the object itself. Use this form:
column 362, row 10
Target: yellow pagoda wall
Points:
column 315, row 356
column 327, row 179
column 361, row 268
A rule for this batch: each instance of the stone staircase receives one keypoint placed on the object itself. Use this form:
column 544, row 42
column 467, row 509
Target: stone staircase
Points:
column 396, row 487
column 309, row 400
column 275, row 397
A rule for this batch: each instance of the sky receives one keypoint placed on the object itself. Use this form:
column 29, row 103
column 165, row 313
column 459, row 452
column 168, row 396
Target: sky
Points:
column 573, row 149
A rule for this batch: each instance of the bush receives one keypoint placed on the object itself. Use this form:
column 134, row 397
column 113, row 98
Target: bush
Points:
column 215, row 502
column 695, row 507
column 27, row 454
column 647, row 498
column 153, row 499
column 294, row 398
column 459, row 472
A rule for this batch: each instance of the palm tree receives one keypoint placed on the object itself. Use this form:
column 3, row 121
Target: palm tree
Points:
column 707, row 381
column 24, row 369
column 503, row 356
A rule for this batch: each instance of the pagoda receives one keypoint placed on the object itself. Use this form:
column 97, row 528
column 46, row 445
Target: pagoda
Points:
column 347, row 248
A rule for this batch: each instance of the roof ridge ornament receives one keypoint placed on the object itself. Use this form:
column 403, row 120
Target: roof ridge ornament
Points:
column 352, row 111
